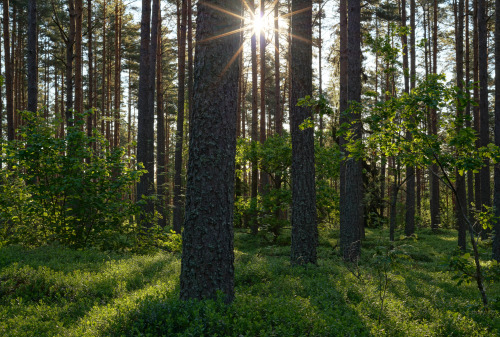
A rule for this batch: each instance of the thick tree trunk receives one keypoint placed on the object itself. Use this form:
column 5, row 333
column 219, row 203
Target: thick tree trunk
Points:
column 207, row 255
column 145, row 139
column 180, row 121
column 304, row 226
column 352, row 203
column 343, row 98
column 32, row 57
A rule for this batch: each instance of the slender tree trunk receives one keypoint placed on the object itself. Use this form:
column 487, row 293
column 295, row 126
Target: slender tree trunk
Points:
column 78, row 57
column 70, row 43
column 351, row 205
column 90, row 48
column 483, row 103
column 117, row 95
column 470, row 174
column 434, row 180
column 264, row 180
column 279, row 114
column 160, row 130
column 255, row 172
column 207, row 255
column 190, row 51
column 32, row 57
column 496, row 198
column 145, row 139
column 477, row 177
column 409, row 76
column 104, row 97
column 178, row 217
column 460, row 178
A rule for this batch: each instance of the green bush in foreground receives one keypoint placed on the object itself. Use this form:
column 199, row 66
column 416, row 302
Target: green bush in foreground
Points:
column 72, row 190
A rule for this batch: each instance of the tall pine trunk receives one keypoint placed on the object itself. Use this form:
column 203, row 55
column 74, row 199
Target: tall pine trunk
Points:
column 179, row 138
column 207, row 242
column 496, row 203
column 304, row 226
column 145, row 139
column 32, row 57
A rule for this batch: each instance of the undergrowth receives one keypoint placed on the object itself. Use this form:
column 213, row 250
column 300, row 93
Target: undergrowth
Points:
column 55, row 291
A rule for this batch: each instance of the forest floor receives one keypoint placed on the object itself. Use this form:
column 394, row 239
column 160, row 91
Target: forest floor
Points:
column 54, row 291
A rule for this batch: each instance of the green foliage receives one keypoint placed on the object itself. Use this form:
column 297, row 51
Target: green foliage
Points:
column 71, row 190
column 274, row 157
column 55, row 291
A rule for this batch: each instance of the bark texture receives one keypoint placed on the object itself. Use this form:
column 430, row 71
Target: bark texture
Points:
column 351, row 205
column 304, row 226
column 207, row 255
column 496, row 238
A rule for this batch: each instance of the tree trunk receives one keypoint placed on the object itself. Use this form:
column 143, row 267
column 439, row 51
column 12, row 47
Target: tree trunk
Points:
column 145, row 139
column 410, row 170
column 496, row 198
column 32, row 57
column 264, row 179
column 483, row 103
column 90, row 48
column 279, row 115
column 180, row 121
column 434, row 180
column 477, row 177
column 460, row 178
column 254, row 225
column 78, row 57
column 207, row 256
column 352, row 205
column 470, row 174
column 304, row 226
column 117, row 95
column 160, row 131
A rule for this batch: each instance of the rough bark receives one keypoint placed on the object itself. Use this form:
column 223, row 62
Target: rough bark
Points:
column 179, row 136
column 352, row 204
column 207, row 256
column 343, row 74
column 145, row 139
column 304, row 226
column 32, row 57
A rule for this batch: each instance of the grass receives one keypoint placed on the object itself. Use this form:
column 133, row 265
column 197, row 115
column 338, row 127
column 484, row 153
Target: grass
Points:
column 54, row 291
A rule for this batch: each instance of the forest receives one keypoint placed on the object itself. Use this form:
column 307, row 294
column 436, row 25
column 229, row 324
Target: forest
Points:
column 250, row 168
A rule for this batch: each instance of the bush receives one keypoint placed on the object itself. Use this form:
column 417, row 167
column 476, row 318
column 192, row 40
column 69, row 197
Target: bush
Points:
column 72, row 190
